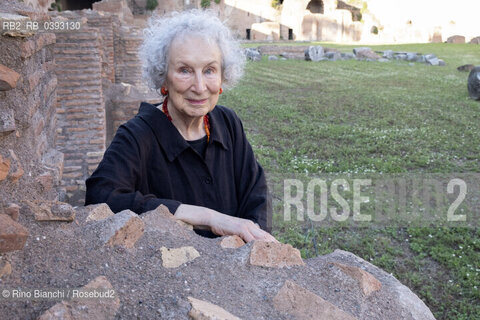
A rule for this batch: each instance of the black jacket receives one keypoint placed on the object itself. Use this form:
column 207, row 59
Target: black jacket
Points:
column 149, row 163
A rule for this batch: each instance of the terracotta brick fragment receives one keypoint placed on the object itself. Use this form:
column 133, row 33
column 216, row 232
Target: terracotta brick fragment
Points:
column 4, row 167
column 175, row 257
column 122, row 229
column 98, row 212
column 274, row 255
column 367, row 282
column 232, row 242
column 13, row 210
column 302, row 304
column 8, row 78
column 203, row 310
column 12, row 234
column 51, row 210
column 83, row 309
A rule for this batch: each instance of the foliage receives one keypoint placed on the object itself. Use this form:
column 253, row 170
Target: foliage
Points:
column 366, row 117
column 276, row 4
column 57, row 5
column 151, row 4
column 205, row 3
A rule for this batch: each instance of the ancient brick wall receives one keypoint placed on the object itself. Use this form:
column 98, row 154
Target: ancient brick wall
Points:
column 80, row 104
column 106, row 24
column 94, row 65
column 30, row 167
column 127, row 64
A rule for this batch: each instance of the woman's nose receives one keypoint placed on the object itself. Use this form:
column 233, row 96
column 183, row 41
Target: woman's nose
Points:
column 199, row 83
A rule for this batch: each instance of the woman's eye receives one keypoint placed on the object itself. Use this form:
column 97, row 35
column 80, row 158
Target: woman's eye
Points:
column 209, row 71
column 184, row 70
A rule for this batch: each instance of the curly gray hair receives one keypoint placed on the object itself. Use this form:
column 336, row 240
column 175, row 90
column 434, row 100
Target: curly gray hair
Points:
column 161, row 32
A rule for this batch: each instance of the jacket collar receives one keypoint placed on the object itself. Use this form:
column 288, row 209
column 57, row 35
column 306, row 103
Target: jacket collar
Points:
column 170, row 138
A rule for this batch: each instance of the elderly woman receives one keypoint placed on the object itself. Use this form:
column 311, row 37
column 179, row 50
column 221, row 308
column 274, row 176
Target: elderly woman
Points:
column 187, row 153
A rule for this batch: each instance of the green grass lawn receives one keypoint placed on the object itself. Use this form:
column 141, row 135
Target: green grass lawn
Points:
column 360, row 118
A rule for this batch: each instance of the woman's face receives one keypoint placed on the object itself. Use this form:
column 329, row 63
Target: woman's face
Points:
column 194, row 76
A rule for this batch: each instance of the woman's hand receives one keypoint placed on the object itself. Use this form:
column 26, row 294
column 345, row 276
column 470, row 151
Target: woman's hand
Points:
column 222, row 224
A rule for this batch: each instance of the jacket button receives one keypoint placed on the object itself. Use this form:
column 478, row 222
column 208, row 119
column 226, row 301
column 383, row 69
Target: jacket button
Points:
column 208, row 180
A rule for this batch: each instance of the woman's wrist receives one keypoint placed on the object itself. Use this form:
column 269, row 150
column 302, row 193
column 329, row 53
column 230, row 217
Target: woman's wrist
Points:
column 195, row 215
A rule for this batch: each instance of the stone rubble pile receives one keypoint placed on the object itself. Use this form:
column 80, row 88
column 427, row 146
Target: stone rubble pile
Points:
column 159, row 268
column 319, row 53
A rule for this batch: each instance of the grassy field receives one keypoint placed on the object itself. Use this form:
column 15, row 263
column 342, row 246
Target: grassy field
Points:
column 363, row 118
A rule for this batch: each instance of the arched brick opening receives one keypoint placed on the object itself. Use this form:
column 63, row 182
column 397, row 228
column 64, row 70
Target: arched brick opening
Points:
column 316, row 6
column 76, row 5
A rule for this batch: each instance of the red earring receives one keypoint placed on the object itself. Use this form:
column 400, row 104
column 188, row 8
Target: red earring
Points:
column 164, row 91
column 221, row 90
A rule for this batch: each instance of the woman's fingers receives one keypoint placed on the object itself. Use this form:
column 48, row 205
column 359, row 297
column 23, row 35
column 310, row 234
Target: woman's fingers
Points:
column 246, row 229
column 262, row 235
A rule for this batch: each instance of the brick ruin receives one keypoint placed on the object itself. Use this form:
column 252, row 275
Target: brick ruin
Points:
column 63, row 95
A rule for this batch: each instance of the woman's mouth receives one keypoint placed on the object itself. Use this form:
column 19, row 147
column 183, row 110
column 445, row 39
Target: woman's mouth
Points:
column 195, row 101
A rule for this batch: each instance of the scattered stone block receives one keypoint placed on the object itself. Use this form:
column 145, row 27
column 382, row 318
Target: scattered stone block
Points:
column 7, row 121
column 122, row 229
column 367, row 282
column 8, row 78
column 173, row 258
column 13, row 210
column 348, row 56
column 293, row 55
column 12, row 234
column 388, row 54
column 272, row 58
column 86, row 309
column 412, row 56
column 433, row 61
column 333, row 56
column 274, row 255
column 303, row 304
column 253, row 54
column 203, row 310
column 456, row 39
column 232, row 242
column 365, row 53
column 441, row 63
column 466, row 68
column 98, row 212
column 51, row 210
column 314, row 53
column 474, row 83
